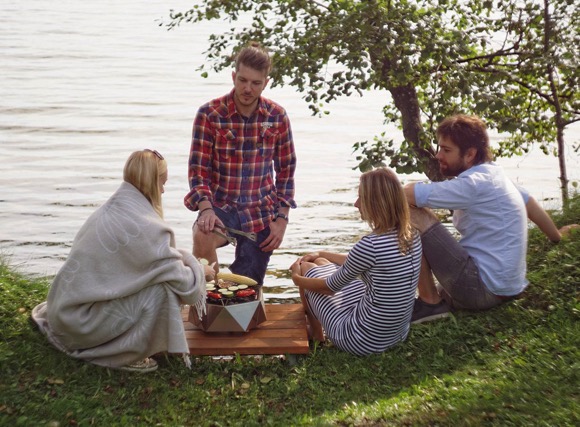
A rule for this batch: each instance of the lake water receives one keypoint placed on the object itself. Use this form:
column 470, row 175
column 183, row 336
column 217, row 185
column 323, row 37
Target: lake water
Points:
column 83, row 84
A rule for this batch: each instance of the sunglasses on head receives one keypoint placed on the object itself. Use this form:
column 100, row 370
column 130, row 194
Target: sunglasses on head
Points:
column 159, row 156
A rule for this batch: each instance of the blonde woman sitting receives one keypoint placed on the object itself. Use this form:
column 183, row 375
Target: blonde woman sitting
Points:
column 363, row 301
column 116, row 300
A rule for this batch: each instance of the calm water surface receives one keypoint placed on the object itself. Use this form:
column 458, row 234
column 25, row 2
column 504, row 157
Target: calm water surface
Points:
column 83, row 84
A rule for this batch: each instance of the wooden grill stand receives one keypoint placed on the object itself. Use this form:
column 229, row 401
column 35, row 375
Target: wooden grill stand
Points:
column 283, row 333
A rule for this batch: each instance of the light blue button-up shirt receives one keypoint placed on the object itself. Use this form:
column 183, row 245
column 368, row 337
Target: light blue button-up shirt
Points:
column 490, row 214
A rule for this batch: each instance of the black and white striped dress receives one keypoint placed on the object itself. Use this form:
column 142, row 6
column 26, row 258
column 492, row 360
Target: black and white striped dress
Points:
column 371, row 308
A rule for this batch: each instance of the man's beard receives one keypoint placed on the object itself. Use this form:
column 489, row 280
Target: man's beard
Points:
column 453, row 170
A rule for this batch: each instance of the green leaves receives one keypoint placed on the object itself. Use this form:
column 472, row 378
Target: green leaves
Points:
column 508, row 61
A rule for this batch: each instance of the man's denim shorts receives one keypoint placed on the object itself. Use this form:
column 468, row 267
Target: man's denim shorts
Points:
column 456, row 270
column 249, row 260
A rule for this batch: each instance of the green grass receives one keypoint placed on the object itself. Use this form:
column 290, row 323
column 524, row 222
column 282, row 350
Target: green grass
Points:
column 516, row 365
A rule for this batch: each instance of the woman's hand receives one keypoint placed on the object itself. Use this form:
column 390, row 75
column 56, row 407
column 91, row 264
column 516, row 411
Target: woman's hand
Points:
column 310, row 283
column 296, row 271
column 295, row 267
column 311, row 257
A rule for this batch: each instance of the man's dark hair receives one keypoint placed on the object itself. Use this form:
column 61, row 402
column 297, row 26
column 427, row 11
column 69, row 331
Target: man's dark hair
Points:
column 254, row 56
column 467, row 132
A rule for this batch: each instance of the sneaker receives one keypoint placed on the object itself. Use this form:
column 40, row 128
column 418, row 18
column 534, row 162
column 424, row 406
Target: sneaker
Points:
column 425, row 312
column 145, row 365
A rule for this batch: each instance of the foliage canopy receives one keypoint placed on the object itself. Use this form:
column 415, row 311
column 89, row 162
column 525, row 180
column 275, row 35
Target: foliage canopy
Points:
column 512, row 62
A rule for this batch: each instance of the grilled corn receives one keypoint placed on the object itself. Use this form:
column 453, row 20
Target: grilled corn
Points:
column 236, row 278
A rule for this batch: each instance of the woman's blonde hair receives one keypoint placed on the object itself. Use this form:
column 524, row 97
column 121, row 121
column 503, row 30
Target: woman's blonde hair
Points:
column 384, row 206
column 143, row 170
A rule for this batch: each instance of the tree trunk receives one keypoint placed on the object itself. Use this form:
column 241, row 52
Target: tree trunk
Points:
column 562, row 163
column 556, row 102
column 407, row 102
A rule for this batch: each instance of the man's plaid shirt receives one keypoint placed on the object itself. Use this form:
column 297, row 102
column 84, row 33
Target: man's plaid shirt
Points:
column 233, row 159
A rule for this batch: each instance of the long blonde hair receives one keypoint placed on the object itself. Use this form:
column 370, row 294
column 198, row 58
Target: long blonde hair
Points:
column 143, row 170
column 384, row 206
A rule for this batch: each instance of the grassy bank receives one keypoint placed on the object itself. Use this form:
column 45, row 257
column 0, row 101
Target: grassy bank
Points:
column 514, row 365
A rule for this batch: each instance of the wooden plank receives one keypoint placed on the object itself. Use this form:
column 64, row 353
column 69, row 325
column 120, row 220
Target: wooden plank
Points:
column 268, row 324
column 264, row 348
column 284, row 332
column 256, row 333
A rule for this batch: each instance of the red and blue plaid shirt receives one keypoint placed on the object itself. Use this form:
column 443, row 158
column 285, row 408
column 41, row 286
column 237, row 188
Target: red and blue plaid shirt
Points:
column 233, row 158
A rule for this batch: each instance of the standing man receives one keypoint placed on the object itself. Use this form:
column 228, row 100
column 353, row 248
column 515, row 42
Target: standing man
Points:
column 241, row 169
column 487, row 266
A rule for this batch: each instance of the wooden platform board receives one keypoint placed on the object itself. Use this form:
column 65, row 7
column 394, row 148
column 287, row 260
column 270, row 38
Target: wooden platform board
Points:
column 283, row 333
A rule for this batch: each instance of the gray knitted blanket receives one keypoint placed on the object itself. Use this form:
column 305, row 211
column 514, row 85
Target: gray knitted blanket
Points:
column 117, row 298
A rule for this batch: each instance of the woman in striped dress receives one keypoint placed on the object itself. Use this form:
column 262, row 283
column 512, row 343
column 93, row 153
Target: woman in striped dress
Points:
column 363, row 301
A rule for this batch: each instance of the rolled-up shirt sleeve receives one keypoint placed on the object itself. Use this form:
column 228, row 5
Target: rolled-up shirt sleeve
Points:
column 457, row 193
column 199, row 170
column 285, row 165
column 422, row 192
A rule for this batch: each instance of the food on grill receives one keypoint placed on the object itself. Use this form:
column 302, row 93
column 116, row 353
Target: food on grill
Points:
column 230, row 288
column 236, row 278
